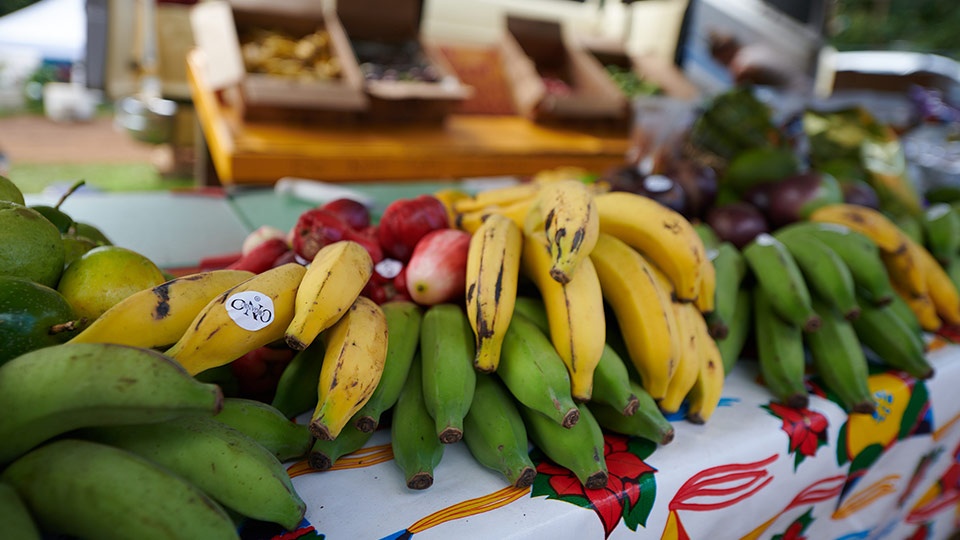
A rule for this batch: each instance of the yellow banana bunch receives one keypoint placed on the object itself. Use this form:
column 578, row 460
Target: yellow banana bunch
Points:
column 496, row 197
column 864, row 220
column 356, row 350
column 663, row 236
column 252, row 314
column 574, row 312
column 158, row 317
column 642, row 305
column 332, row 282
column 516, row 211
column 569, row 220
column 493, row 270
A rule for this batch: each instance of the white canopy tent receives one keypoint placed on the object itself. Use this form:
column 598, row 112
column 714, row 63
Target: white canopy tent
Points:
column 53, row 30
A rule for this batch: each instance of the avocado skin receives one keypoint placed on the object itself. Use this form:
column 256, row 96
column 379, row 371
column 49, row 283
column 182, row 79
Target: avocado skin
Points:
column 30, row 316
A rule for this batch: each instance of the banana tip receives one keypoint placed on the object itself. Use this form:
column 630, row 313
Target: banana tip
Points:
column 571, row 418
column 864, row 407
column 526, row 478
column 294, row 342
column 798, row 401
column 421, row 480
column 596, row 480
column 812, row 324
column 450, row 435
column 321, row 432
column 560, row 276
column 366, row 424
column 668, row 436
column 852, row 314
column 320, row 462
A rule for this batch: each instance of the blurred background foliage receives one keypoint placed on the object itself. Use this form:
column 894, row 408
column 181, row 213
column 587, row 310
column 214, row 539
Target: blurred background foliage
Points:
column 911, row 25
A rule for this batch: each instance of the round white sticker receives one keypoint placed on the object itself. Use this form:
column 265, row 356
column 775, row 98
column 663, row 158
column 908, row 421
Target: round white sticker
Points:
column 251, row 310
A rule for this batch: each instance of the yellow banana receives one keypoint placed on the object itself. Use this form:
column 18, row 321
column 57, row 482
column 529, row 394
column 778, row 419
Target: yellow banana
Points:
column 252, row 314
column 922, row 306
column 501, row 196
column 940, row 288
column 556, row 174
column 707, row 296
column 705, row 395
column 449, row 196
column 516, row 211
column 688, row 366
column 864, row 220
column 331, row 283
column 630, row 285
column 905, row 267
column 574, row 313
column 661, row 234
column 356, row 350
column 569, row 221
column 158, row 317
column 493, row 270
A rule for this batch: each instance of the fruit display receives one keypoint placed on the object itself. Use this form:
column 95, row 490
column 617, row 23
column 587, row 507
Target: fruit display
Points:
column 544, row 314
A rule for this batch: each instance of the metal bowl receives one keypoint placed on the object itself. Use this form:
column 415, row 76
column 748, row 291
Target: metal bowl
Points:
column 147, row 119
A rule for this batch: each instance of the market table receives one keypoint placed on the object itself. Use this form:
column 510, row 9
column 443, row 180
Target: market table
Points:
column 754, row 470
column 465, row 145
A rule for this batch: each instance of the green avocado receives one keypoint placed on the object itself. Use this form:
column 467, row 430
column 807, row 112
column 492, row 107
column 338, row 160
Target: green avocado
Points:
column 87, row 230
column 9, row 191
column 32, row 316
column 758, row 165
column 32, row 246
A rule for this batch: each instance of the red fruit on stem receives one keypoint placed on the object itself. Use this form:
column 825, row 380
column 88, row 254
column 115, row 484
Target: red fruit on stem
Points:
column 261, row 258
column 258, row 371
column 259, row 236
column 354, row 213
column 405, row 221
column 437, row 270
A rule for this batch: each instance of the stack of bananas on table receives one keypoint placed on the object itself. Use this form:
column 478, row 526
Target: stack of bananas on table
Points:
column 843, row 288
column 113, row 441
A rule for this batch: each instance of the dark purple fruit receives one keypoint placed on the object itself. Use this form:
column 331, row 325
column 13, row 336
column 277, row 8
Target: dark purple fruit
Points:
column 861, row 193
column 658, row 187
column 737, row 222
column 794, row 198
column 699, row 183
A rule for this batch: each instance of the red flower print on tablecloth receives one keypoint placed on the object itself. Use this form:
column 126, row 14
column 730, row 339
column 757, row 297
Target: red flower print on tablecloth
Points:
column 796, row 529
column 630, row 489
column 806, row 430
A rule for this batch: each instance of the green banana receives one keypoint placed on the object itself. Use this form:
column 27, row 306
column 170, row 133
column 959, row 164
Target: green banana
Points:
column 780, row 354
column 90, row 490
column 579, row 448
column 447, row 350
column 495, row 435
column 707, row 235
column 899, row 307
column 648, row 422
column 824, row 271
column 738, row 328
column 325, row 453
column 534, row 373
column 534, row 310
column 839, row 360
column 50, row 391
column 227, row 465
column 777, row 272
column 941, row 226
column 730, row 268
column 953, row 271
column 416, row 449
column 611, row 383
column 297, row 387
column 268, row 426
column 403, row 327
column 17, row 523
column 894, row 342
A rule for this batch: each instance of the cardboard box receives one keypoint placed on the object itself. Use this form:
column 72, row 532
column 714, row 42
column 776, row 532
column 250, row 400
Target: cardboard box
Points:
column 381, row 43
column 220, row 27
column 536, row 55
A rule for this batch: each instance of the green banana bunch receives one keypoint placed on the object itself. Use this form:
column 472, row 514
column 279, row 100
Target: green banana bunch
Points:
column 50, row 391
column 826, row 274
column 648, row 422
column 263, row 423
column 860, row 254
column 780, row 354
column 227, row 465
column 839, row 359
column 416, row 449
column 447, row 350
column 495, row 435
column 894, row 342
column 17, row 522
column 114, row 495
column 403, row 338
column 578, row 448
column 534, row 373
column 776, row 271
column 297, row 387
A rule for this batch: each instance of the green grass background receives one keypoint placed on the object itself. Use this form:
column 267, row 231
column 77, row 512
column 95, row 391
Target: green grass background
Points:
column 34, row 178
